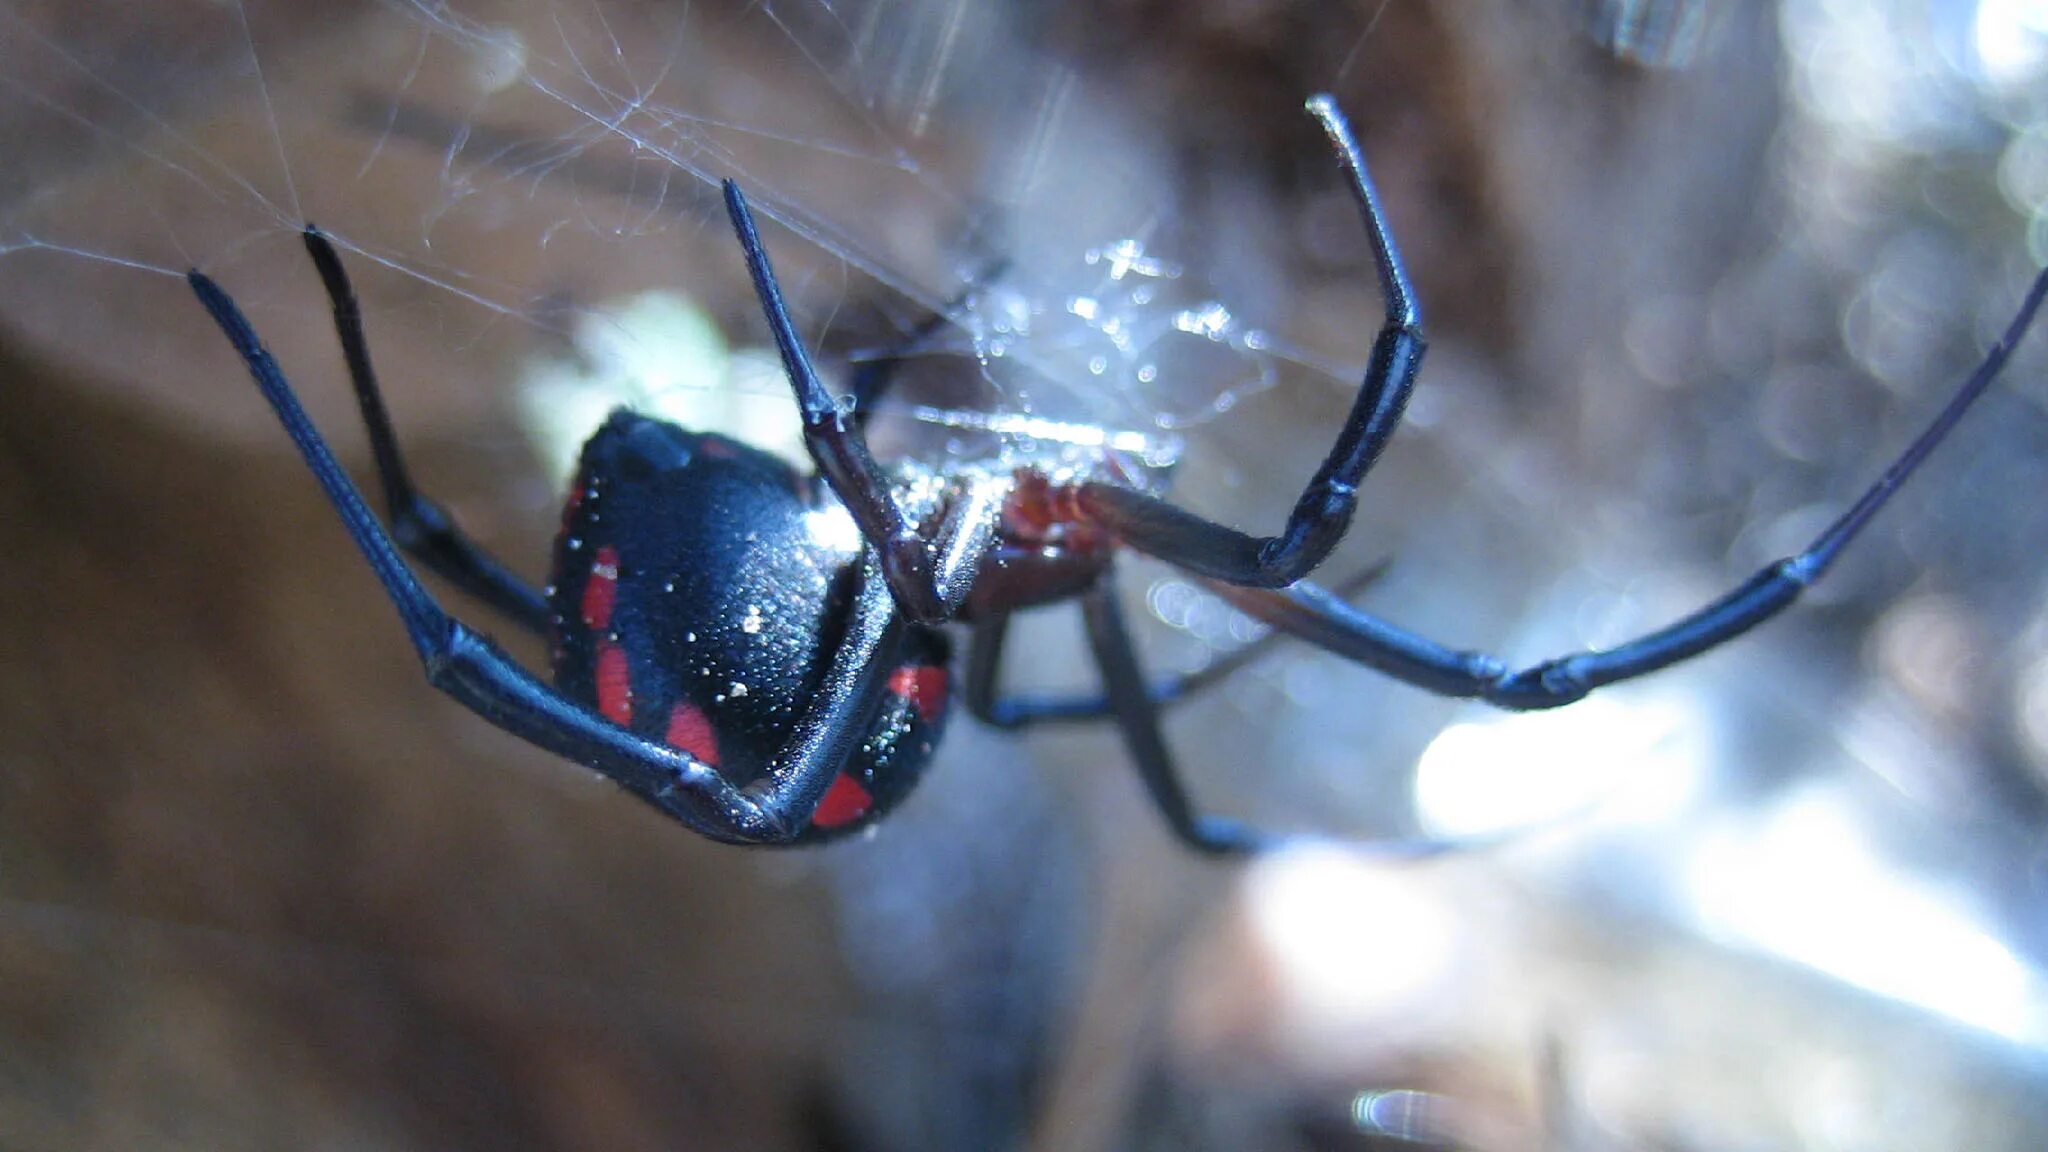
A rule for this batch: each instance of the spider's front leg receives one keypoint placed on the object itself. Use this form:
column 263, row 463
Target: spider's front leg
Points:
column 1323, row 512
column 930, row 576
column 1311, row 614
column 469, row 667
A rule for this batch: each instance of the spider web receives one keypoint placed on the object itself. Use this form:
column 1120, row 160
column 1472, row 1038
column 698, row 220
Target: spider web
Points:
column 505, row 177
column 919, row 159
column 502, row 175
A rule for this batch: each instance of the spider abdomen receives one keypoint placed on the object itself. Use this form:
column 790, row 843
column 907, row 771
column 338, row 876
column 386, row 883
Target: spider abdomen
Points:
column 699, row 591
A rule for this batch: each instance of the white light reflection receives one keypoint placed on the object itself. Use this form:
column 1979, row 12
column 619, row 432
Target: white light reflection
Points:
column 1404, row 1114
column 832, row 528
column 1038, row 428
column 1212, row 320
column 1386, row 952
column 2011, row 40
column 497, row 61
column 1807, row 886
column 1127, row 257
column 1631, row 758
column 657, row 353
column 2033, row 712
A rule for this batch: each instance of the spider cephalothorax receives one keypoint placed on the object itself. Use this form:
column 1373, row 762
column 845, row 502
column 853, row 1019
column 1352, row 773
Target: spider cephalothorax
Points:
column 758, row 652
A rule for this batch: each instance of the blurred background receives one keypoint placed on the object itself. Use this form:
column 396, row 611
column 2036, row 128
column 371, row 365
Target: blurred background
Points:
column 1693, row 272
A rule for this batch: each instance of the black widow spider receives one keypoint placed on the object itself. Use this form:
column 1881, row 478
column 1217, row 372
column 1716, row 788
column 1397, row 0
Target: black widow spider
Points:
column 727, row 653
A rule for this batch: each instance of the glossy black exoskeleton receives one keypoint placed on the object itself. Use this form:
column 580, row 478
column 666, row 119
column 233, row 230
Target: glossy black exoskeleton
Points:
column 700, row 586
column 756, row 652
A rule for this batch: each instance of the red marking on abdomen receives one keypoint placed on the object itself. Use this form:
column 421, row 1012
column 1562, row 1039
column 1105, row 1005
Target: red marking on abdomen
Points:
column 689, row 730
column 845, row 801
column 601, row 591
column 924, row 685
column 614, row 684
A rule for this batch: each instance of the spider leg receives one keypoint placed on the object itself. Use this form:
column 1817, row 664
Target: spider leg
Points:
column 420, row 526
column 1137, row 718
column 1323, row 512
column 985, row 701
column 1318, row 617
column 469, row 667
column 930, row 583
column 872, row 378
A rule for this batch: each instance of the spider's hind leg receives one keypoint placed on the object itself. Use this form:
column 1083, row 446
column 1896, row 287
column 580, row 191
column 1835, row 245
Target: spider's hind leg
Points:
column 468, row 667
column 420, row 526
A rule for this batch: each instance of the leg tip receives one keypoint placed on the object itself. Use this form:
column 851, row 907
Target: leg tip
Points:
column 1225, row 839
column 210, row 294
column 741, row 215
